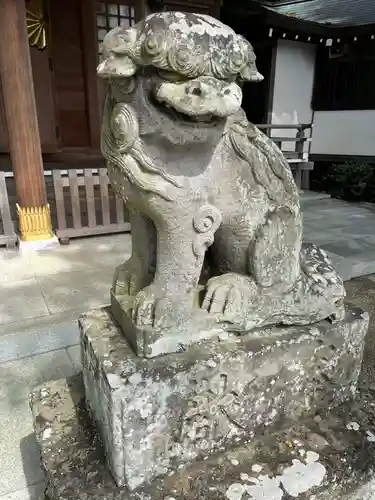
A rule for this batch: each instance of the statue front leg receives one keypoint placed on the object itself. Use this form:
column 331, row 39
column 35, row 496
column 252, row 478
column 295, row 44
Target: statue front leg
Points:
column 181, row 246
column 273, row 265
column 137, row 272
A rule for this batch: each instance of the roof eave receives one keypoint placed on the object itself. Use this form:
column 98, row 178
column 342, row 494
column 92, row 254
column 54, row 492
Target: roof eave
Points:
column 275, row 19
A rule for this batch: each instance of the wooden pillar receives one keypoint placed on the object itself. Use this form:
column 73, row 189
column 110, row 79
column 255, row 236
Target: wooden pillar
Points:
column 22, row 120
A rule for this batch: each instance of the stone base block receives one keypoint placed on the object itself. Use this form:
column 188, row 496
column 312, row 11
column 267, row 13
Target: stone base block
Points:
column 328, row 457
column 156, row 416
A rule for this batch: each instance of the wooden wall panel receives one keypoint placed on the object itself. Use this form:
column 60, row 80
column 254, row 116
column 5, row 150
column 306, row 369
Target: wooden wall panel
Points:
column 69, row 73
column 45, row 107
column 4, row 137
column 90, row 49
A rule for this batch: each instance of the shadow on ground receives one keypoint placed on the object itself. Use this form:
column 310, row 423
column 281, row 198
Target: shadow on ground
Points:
column 31, row 464
column 361, row 292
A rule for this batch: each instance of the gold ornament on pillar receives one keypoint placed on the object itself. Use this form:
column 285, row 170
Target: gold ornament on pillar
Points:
column 35, row 223
column 36, row 24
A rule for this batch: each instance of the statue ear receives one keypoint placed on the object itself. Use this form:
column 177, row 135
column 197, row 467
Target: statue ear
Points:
column 117, row 66
column 120, row 40
column 250, row 74
column 118, row 47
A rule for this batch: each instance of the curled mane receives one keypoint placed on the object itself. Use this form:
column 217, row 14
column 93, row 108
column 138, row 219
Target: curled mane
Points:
column 268, row 165
column 125, row 151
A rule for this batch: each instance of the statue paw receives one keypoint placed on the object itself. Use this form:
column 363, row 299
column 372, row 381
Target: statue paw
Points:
column 153, row 308
column 129, row 278
column 228, row 294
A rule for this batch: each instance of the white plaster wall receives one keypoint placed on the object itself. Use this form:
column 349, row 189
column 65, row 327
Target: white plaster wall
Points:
column 344, row 133
column 335, row 132
column 294, row 79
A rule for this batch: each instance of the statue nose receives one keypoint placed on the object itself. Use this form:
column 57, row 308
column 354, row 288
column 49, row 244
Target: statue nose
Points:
column 197, row 88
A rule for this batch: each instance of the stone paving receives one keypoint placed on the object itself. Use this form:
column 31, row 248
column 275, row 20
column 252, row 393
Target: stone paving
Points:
column 41, row 296
column 346, row 231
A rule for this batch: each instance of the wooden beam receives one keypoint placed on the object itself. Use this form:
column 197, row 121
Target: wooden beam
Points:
column 22, row 121
column 339, row 159
column 211, row 7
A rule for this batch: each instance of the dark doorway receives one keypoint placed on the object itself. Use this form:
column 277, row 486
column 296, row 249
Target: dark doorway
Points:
column 256, row 96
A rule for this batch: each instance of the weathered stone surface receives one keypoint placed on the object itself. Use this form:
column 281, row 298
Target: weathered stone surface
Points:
column 328, row 457
column 150, row 342
column 158, row 415
column 211, row 199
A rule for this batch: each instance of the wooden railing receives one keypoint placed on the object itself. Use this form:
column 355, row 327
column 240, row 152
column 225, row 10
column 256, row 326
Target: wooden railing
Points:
column 86, row 205
column 8, row 236
column 299, row 158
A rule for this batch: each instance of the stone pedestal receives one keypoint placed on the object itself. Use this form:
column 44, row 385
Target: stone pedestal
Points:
column 156, row 416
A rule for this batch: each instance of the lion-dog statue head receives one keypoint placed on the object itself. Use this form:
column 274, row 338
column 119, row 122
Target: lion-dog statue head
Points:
column 182, row 73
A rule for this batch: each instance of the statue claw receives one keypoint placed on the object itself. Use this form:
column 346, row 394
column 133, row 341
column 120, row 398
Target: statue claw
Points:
column 217, row 298
column 153, row 308
column 129, row 278
column 143, row 313
column 225, row 294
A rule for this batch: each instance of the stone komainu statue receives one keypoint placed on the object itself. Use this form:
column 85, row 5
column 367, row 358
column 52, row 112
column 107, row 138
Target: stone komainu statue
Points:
column 214, row 209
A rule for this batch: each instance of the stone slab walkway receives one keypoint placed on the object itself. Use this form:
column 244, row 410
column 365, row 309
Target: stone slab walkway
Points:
column 345, row 230
column 42, row 295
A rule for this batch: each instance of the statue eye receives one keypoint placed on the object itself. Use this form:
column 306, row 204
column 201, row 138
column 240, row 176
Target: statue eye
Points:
column 170, row 76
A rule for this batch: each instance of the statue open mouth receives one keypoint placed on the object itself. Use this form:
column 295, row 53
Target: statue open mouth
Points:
column 167, row 109
column 204, row 99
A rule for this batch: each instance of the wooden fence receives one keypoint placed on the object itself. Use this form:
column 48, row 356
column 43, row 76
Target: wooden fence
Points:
column 8, row 236
column 85, row 204
column 299, row 158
